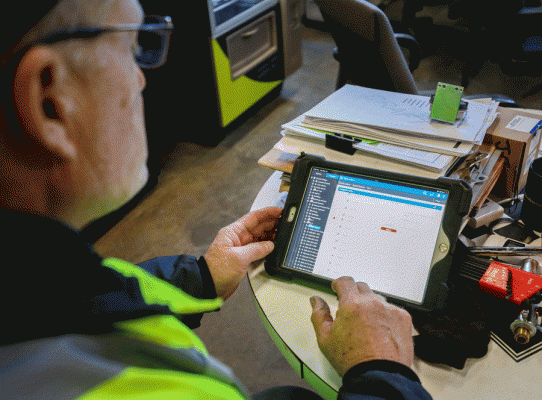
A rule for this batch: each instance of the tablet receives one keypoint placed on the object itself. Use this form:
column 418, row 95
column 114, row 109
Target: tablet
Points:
column 393, row 231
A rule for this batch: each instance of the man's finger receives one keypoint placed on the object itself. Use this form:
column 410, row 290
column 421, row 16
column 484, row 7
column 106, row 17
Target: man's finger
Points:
column 264, row 228
column 346, row 289
column 254, row 251
column 363, row 288
column 321, row 317
column 254, row 218
column 249, row 225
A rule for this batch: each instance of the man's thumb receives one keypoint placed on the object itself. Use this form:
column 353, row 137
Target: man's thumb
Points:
column 321, row 316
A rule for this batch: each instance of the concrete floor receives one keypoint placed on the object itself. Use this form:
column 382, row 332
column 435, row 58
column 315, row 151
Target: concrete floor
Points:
column 202, row 189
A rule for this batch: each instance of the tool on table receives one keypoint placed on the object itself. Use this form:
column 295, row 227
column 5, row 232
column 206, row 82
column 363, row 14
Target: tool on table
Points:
column 525, row 326
column 505, row 251
column 471, row 168
column 519, row 285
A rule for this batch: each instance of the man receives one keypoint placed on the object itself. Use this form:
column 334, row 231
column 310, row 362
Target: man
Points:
column 73, row 148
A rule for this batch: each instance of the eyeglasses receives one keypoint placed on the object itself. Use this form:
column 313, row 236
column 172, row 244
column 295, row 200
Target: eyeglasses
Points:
column 152, row 43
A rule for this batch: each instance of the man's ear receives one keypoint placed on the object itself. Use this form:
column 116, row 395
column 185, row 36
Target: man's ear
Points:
column 38, row 93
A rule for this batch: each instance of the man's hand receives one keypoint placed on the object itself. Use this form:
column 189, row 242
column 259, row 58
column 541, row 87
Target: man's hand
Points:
column 237, row 245
column 366, row 328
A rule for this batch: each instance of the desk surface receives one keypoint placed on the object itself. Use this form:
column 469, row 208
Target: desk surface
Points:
column 286, row 311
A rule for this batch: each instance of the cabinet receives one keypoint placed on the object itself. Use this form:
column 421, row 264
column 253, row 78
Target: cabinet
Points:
column 247, row 59
column 226, row 59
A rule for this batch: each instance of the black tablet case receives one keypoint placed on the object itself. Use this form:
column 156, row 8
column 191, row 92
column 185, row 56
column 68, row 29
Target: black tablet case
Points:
column 458, row 205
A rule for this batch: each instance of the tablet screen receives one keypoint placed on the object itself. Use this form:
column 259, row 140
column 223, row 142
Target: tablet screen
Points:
column 378, row 231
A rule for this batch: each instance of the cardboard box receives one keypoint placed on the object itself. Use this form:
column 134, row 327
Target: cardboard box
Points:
column 517, row 134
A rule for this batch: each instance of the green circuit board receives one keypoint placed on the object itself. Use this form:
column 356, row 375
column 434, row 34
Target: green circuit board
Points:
column 446, row 102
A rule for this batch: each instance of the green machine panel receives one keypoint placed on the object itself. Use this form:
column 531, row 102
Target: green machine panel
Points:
column 248, row 64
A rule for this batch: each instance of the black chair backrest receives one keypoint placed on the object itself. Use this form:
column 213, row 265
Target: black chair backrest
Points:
column 369, row 54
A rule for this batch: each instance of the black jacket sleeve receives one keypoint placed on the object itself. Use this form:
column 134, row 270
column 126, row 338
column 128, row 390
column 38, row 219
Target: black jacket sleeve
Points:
column 381, row 379
column 187, row 273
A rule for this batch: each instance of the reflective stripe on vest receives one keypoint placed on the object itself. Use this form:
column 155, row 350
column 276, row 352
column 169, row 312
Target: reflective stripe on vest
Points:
column 166, row 330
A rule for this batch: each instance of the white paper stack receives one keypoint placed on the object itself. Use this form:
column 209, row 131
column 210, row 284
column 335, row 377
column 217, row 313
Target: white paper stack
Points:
column 394, row 126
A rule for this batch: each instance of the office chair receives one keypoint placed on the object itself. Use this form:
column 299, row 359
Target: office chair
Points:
column 368, row 50
column 515, row 45
column 507, row 34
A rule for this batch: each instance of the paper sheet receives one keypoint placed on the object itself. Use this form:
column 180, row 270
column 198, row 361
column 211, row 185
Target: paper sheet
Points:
column 396, row 112
column 424, row 159
column 453, row 148
column 293, row 145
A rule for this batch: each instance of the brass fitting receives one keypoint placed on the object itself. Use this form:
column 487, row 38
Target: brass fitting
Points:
column 522, row 335
column 522, row 329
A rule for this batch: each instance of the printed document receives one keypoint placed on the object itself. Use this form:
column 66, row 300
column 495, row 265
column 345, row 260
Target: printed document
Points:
column 452, row 148
column 360, row 106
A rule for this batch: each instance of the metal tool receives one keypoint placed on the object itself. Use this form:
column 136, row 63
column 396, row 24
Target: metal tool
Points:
column 526, row 325
column 505, row 251
column 520, row 285
column 471, row 168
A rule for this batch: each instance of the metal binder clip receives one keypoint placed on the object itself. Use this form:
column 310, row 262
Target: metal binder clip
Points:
column 471, row 169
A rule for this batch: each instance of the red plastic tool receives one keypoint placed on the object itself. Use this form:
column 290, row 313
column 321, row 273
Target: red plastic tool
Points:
column 511, row 283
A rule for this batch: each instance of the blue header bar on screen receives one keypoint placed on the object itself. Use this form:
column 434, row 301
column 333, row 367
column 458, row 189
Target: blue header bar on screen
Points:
column 389, row 186
column 396, row 199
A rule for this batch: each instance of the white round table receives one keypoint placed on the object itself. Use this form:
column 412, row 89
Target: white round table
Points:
column 285, row 311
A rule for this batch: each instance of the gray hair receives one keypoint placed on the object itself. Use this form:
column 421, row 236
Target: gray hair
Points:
column 67, row 15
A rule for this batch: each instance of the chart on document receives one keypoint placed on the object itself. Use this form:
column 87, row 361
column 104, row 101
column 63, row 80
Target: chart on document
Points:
column 380, row 232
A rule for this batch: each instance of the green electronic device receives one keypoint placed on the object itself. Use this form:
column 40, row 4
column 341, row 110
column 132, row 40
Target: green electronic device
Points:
column 446, row 102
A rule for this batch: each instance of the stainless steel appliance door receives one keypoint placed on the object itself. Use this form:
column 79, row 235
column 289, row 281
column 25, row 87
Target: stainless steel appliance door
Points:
column 228, row 14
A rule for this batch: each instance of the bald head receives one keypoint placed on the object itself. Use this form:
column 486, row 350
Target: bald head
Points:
column 78, row 147
column 64, row 15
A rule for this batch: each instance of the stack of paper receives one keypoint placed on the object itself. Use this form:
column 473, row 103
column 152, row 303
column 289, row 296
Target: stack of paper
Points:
column 390, row 130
